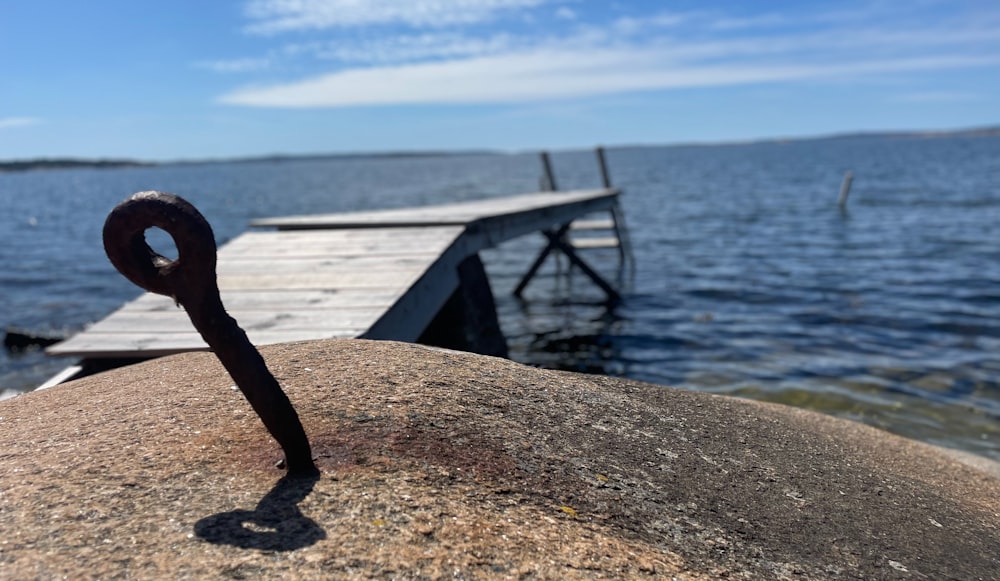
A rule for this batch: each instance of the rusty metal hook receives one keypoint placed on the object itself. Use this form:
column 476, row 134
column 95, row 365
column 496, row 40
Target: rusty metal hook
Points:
column 191, row 281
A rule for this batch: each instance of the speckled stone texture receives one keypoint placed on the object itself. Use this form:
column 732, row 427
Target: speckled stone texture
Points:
column 437, row 464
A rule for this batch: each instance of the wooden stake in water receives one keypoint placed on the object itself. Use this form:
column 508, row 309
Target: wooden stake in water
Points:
column 550, row 178
column 845, row 189
column 605, row 177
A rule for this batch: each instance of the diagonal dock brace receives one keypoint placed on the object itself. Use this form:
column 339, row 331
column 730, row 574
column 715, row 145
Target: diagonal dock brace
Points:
column 557, row 241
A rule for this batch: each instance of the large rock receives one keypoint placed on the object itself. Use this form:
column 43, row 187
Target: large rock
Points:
column 443, row 464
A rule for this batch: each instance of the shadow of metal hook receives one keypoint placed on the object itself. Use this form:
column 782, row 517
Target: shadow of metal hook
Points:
column 275, row 525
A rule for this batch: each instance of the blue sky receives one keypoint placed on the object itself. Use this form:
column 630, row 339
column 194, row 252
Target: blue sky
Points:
column 180, row 79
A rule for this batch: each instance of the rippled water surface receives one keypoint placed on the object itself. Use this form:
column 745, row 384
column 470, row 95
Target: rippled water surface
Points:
column 749, row 281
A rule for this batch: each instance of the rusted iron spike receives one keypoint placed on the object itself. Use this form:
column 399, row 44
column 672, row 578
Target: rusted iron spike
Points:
column 191, row 281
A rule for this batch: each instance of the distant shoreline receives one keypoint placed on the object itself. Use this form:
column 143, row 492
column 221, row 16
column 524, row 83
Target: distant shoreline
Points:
column 992, row 131
column 68, row 163
column 76, row 163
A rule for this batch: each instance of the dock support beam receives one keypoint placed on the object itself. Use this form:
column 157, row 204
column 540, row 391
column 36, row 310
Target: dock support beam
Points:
column 468, row 321
column 557, row 241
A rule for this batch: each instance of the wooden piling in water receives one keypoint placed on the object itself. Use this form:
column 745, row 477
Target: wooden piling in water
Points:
column 550, row 177
column 602, row 162
column 845, row 189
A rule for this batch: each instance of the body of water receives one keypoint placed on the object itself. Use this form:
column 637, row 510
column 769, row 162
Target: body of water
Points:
column 749, row 281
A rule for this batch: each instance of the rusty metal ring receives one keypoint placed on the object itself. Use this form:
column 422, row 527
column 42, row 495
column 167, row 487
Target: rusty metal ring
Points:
column 125, row 243
column 191, row 281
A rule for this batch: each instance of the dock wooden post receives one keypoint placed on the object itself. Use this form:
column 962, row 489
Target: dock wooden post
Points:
column 617, row 216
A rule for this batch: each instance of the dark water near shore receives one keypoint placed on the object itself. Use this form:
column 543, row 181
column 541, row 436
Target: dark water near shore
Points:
column 749, row 281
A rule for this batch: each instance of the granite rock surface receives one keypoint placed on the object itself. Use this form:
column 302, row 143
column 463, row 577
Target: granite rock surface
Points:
column 438, row 464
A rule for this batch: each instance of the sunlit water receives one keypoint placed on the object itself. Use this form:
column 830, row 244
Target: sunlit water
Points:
column 749, row 280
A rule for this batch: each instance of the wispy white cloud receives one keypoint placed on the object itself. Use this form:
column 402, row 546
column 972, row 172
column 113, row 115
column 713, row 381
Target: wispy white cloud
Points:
column 242, row 65
column 631, row 25
column 526, row 77
column 578, row 58
column 417, row 47
column 8, row 122
column 760, row 21
column 565, row 13
column 938, row 97
column 273, row 16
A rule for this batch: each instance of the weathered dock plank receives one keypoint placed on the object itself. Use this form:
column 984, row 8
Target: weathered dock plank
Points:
column 288, row 286
column 317, row 280
column 251, row 320
column 388, row 240
column 276, row 300
column 528, row 211
column 336, row 264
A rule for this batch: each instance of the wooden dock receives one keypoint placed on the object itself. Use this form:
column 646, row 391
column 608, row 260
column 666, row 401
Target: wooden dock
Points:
column 379, row 275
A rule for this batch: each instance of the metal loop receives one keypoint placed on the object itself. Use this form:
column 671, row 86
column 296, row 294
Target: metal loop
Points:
column 191, row 281
column 125, row 244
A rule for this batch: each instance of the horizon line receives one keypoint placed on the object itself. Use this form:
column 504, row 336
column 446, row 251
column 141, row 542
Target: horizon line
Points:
column 991, row 130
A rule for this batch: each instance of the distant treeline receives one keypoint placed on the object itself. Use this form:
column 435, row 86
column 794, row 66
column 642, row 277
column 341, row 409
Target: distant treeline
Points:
column 28, row 164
